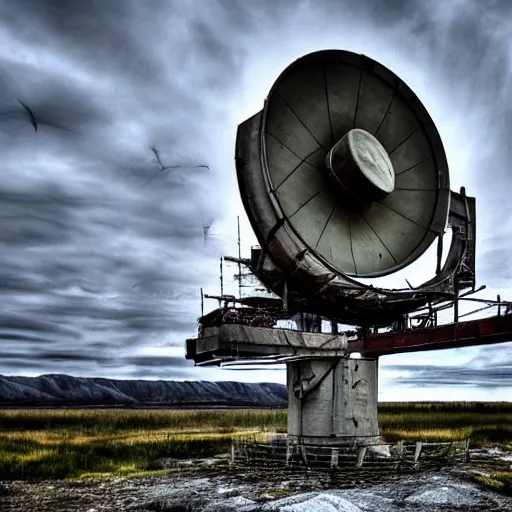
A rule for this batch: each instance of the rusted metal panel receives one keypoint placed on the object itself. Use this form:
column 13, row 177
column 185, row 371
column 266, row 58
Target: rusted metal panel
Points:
column 247, row 341
column 461, row 334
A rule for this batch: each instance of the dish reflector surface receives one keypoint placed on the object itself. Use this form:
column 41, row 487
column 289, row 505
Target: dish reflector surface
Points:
column 385, row 203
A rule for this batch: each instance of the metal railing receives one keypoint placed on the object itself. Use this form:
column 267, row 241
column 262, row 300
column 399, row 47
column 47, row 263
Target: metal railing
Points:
column 401, row 456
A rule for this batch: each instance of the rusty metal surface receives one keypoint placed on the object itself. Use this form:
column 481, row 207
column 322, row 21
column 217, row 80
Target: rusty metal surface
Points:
column 232, row 342
column 376, row 457
column 485, row 331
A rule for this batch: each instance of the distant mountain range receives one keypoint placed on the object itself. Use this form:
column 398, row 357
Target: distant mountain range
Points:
column 65, row 391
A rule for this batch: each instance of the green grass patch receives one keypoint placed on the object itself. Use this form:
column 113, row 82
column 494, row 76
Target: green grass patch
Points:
column 25, row 459
column 498, row 481
column 484, row 423
column 66, row 443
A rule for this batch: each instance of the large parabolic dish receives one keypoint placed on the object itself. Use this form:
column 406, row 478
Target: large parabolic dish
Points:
column 343, row 176
column 336, row 99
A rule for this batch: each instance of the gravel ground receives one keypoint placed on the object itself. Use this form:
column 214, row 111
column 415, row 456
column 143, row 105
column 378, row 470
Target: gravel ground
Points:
column 212, row 487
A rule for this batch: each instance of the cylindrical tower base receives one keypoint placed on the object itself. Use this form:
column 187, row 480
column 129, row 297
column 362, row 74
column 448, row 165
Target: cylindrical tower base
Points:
column 333, row 402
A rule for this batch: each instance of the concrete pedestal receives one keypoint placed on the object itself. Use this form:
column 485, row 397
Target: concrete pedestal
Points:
column 333, row 402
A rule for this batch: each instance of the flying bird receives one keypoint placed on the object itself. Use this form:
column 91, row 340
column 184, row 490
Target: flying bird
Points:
column 165, row 167
column 206, row 227
column 41, row 121
column 35, row 122
column 208, row 236
column 30, row 114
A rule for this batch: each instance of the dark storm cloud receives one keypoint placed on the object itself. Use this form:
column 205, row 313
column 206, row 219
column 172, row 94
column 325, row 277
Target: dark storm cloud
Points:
column 5, row 336
column 91, row 32
column 38, row 217
column 491, row 359
column 46, row 360
column 99, row 260
column 66, row 356
column 21, row 365
column 442, row 376
column 57, row 104
column 157, row 361
column 17, row 321
column 94, row 261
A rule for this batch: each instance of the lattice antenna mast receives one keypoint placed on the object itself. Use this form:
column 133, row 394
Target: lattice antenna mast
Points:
column 239, row 260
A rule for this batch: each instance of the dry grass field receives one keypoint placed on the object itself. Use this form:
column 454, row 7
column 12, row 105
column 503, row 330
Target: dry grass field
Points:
column 78, row 443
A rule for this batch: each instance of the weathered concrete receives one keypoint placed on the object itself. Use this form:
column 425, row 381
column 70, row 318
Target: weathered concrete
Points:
column 333, row 401
column 238, row 341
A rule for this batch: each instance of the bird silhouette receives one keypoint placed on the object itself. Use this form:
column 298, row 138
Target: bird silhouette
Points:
column 206, row 227
column 30, row 114
column 166, row 167
column 36, row 122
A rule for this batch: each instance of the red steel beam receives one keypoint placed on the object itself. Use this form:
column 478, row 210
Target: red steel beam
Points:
column 484, row 331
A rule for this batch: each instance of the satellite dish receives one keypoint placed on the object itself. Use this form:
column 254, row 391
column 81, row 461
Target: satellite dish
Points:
column 353, row 164
column 342, row 175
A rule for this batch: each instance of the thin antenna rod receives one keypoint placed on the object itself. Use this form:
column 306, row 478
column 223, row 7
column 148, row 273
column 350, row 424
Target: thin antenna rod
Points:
column 239, row 260
column 202, row 303
column 439, row 253
column 221, row 279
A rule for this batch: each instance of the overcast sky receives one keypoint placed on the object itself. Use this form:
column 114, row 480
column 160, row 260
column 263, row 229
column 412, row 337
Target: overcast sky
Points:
column 103, row 256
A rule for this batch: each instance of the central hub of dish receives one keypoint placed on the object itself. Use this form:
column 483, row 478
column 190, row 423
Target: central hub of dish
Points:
column 362, row 167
